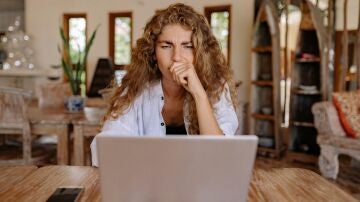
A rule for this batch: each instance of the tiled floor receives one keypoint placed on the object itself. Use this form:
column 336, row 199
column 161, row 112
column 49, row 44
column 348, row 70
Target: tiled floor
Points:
column 348, row 178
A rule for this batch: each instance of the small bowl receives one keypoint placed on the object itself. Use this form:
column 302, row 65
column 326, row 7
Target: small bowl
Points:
column 307, row 88
column 266, row 110
column 94, row 113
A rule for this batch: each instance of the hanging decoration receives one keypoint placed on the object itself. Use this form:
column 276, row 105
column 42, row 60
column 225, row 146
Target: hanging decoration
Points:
column 17, row 45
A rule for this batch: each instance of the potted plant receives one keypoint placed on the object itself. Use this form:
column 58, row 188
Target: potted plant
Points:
column 74, row 69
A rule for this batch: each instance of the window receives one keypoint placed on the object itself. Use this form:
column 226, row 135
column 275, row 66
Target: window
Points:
column 219, row 18
column 75, row 30
column 120, row 38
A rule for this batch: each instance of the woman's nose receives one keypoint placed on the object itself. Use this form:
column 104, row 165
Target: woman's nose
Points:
column 176, row 56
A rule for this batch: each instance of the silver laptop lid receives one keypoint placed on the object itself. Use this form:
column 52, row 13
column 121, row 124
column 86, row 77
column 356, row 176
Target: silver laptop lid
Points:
column 190, row 168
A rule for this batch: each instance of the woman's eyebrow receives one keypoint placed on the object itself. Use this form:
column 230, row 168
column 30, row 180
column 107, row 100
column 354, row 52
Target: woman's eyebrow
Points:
column 186, row 43
column 165, row 41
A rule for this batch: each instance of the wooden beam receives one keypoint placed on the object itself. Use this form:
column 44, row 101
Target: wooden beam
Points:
column 344, row 66
column 330, row 59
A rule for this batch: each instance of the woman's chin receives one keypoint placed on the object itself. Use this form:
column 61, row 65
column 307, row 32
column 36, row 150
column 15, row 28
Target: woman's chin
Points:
column 170, row 81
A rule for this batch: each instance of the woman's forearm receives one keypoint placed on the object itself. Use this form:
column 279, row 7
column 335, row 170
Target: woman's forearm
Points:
column 207, row 121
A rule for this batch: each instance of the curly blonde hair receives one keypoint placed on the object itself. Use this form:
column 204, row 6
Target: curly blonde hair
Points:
column 209, row 62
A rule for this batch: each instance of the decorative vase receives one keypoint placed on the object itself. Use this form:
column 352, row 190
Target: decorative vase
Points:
column 75, row 103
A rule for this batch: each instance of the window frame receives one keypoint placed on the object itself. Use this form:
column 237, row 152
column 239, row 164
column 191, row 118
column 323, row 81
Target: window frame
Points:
column 66, row 19
column 112, row 17
column 208, row 10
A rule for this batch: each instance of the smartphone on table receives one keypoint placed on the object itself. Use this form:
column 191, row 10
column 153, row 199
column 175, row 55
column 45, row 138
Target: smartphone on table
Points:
column 66, row 194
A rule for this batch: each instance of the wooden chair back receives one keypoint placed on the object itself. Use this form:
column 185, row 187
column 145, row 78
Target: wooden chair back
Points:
column 13, row 106
column 53, row 95
column 13, row 120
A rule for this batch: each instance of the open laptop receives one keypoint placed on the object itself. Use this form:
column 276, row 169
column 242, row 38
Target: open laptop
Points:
column 173, row 168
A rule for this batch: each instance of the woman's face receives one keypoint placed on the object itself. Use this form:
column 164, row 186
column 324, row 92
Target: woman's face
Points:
column 173, row 45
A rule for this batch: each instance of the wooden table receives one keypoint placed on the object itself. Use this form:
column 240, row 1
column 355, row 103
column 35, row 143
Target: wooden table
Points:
column 58, row 121
column 285, row 184
column 11, row 175
column 83, row 129
column 39, row 185
column 49, row 121
column 293, row 184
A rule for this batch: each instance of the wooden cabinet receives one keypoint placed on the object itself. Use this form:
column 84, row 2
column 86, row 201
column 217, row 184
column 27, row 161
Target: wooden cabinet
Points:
column 308, row 84
column 265, row 111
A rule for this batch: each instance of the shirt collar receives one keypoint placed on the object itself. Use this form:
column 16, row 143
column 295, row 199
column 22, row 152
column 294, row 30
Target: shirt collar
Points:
column 156, row 88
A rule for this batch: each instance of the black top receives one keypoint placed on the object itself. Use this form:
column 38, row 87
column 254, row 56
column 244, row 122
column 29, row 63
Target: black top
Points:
column 175, row 130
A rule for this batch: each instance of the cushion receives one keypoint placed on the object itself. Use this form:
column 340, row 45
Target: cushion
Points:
column 348, row 108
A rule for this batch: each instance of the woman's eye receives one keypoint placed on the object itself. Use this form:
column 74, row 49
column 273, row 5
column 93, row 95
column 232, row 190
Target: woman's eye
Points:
column 165, row 46
column 189, row 46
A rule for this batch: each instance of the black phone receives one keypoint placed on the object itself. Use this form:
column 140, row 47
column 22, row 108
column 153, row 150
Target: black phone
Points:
column 66, row 194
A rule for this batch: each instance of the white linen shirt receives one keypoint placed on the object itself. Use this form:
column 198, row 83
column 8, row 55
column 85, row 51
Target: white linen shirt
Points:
column 144, row 117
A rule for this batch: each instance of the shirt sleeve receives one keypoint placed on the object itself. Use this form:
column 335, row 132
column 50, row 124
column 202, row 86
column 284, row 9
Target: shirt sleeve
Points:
column 225, row 113
column 124, row 125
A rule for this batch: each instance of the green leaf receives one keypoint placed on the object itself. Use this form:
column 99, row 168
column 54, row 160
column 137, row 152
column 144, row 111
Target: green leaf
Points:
column 73, row 70
column 77, row 70
column 68, row 73
column 89, row 44
column 66, row 50
column 66, row 61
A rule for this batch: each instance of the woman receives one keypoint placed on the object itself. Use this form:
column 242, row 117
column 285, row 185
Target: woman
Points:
column 178, row 82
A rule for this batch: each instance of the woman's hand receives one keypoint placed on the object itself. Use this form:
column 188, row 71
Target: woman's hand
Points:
column 185, row 75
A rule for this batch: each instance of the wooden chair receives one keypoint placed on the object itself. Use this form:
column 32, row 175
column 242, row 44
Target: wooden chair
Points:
column 52, row 94
column 332, row 139
column 13, row 120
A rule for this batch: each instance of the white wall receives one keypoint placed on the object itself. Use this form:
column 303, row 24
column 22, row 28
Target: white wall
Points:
column 43, row 18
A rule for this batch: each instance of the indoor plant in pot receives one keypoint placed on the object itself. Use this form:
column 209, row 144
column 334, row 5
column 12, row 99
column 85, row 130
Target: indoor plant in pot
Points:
column 74, row 69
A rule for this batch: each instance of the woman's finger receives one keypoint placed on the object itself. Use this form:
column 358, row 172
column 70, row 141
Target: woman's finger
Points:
column 183, row 76
column 175, row 70
column 175, row 65
column 180, row 69
column 180, row 76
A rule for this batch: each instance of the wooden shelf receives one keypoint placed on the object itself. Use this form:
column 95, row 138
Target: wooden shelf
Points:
column 306, row 92
column 263, row 116
column 267, row 152
column 350, row 77
column 264, row 49
column 302, row 60
column 265, row 76
column 308, row 68
column 262, row 83
column 266, row 149
column 301, row 157
column 272, row 152
column 23, row 73
column 303, row 124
